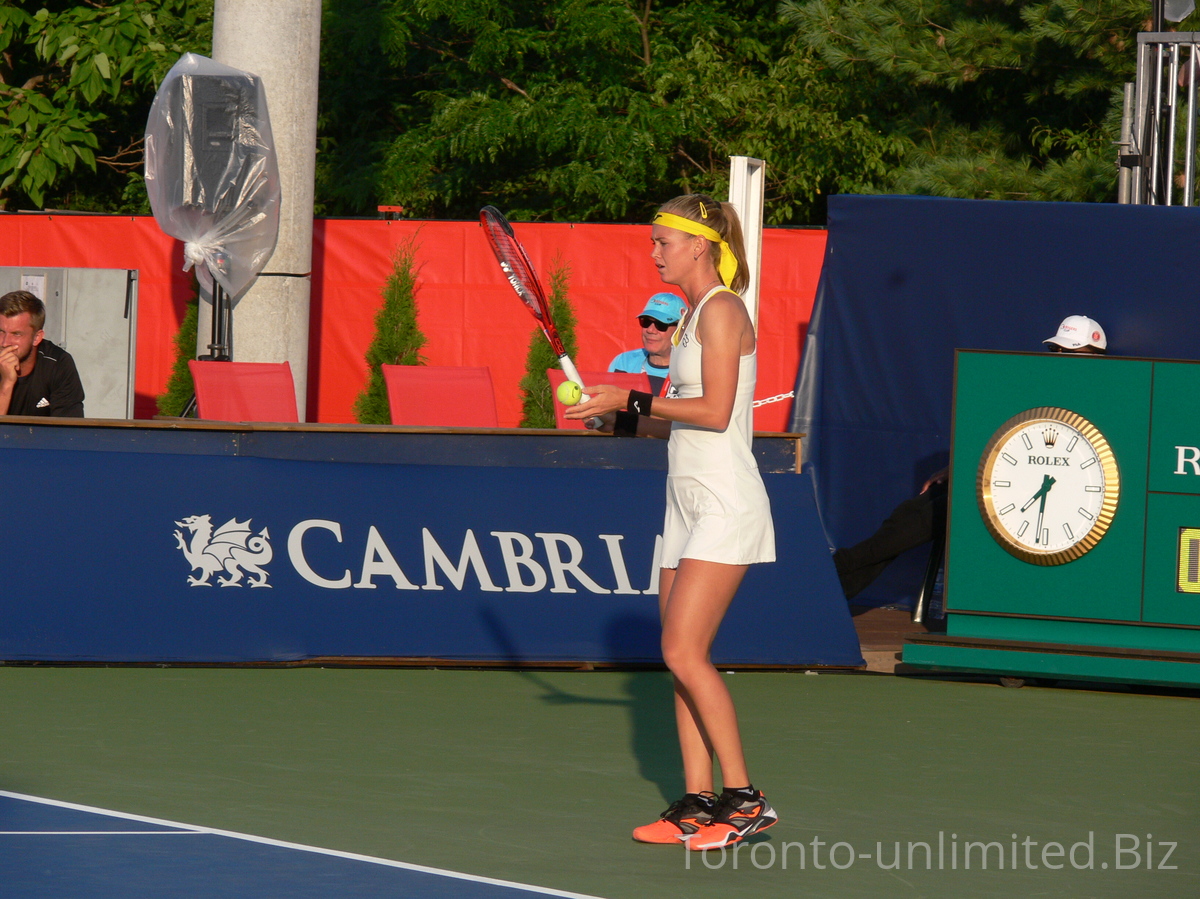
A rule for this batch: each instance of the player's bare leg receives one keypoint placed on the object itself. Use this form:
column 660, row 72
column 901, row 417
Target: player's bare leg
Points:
column 693, row 600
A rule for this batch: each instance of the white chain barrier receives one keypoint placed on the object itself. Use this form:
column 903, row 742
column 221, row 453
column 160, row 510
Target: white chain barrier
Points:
column 775, row 399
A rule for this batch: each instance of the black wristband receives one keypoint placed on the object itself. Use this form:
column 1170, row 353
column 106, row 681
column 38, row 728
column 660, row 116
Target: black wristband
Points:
column 639, row 402
column 625, row 424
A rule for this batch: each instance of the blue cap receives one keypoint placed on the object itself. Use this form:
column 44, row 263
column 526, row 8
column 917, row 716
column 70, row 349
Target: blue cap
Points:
column 665, row 307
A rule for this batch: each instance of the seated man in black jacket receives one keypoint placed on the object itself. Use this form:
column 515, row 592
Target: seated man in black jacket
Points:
column 36, row 377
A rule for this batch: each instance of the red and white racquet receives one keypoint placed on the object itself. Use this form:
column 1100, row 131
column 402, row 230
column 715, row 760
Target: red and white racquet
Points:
column 515, row 264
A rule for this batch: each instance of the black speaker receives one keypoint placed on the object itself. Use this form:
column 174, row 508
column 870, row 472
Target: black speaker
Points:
column 214, row 143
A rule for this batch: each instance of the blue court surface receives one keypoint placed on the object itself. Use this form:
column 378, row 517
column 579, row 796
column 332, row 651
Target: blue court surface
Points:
column 59, row 850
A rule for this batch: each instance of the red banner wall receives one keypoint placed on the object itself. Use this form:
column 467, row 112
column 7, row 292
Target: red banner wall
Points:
column 128, row 242
column 467, row 312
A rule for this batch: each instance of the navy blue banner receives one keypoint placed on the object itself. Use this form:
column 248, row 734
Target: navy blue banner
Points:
column 179, row 545
column 907, row 280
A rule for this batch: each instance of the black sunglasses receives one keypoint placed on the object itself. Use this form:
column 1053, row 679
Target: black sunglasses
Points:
column 646, row 321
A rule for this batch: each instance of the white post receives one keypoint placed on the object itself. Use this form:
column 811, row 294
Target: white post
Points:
column 747, row 177
column 279, row 41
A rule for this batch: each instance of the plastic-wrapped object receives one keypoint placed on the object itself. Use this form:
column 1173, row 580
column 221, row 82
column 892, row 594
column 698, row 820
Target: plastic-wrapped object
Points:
column 211, row 171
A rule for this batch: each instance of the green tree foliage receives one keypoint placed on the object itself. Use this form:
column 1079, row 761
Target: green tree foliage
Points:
column 598, row 110
column 363, row 102
column 580, row 110
column 537, row 407
column 76, row 83
column 180, row 388
column 398, row 338
column 1002, row 99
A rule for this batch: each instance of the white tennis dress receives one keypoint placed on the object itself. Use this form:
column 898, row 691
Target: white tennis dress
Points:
column 717, row 506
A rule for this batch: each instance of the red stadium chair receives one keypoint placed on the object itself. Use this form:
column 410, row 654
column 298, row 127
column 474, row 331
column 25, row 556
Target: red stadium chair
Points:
column 627, row 380
column 244, row 391
column 441, row 396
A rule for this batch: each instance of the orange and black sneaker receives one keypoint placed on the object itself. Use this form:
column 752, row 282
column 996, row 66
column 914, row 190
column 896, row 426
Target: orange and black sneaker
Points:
column 684, row 817
column 737, row 815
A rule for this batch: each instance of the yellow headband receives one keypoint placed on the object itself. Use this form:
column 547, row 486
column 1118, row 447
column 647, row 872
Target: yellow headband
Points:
column 727, row 267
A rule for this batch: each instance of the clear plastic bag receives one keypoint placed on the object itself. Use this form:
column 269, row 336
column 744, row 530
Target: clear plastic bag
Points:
column 211, row 171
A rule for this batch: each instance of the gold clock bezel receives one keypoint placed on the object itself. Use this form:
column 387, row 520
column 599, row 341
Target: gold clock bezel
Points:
column 1112, row 485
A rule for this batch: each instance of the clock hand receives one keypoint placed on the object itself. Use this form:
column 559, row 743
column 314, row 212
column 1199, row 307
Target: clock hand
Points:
column 1045, row 491
column 1047, row 483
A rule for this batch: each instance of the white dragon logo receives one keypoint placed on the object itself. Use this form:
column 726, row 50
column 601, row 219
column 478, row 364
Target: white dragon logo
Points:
column 232, row 548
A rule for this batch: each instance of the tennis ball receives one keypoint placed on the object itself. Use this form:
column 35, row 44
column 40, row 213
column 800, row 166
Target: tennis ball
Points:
column 569, row 393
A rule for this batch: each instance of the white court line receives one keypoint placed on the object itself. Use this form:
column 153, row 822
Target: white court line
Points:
column 97, row 833
column 267, row 841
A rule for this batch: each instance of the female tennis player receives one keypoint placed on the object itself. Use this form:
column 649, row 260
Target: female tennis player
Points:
column 718, row 519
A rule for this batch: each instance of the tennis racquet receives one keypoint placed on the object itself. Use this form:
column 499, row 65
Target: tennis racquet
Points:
column 515, row 264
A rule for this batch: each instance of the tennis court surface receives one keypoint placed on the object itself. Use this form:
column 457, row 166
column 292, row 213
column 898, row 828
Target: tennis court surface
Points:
column 62, row 849
column 401, row 782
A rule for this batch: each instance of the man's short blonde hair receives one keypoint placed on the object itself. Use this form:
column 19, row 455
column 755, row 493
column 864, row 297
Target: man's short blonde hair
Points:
column 17, row 301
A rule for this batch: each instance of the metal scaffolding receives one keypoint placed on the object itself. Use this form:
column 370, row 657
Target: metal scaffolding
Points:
column 1158, row 132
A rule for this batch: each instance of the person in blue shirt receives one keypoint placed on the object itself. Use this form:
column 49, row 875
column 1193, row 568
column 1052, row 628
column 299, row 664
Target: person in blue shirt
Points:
column 659, row 320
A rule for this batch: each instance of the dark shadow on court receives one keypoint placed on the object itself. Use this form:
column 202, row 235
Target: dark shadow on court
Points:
column 649, row 696
column 651, row 706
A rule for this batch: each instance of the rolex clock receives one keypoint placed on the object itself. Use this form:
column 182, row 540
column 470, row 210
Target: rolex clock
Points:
column 1048, row 486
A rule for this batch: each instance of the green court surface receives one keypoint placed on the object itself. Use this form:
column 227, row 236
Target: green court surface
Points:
column 538, row 777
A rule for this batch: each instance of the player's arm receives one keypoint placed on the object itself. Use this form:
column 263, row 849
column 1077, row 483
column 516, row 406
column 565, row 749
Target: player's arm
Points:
column 646, row 427
column 9, row 370
column 722, row 329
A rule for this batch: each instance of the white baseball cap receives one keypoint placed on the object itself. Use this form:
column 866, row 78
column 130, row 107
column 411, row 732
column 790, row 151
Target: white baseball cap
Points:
column 1077, row 331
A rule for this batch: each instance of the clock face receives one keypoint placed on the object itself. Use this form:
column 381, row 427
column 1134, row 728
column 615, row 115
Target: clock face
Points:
column 1048, row 486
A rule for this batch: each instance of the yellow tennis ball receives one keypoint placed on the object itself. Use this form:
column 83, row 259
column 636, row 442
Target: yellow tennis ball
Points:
column 569, row 393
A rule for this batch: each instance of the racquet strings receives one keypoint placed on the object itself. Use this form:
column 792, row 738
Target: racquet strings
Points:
column 515, row 264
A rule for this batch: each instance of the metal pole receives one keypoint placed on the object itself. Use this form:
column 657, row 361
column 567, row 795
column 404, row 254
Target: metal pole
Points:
column 1172, row 99
column 1154, row 197
column 219, row 350
column 1141, row 127
column 1125, row 146
column 1189, row 159
column 747, row 186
